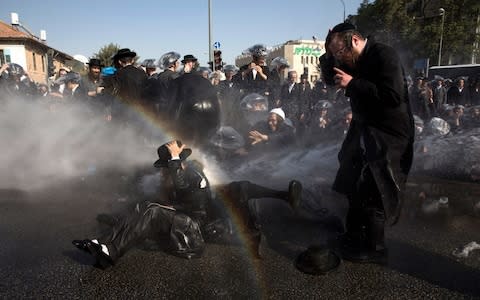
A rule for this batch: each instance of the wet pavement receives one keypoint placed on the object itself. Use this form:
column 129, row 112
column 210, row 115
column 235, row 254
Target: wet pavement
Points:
column 37, row 259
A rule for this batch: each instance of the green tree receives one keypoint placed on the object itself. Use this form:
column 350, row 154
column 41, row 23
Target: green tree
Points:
column 106, row 53
column 414, row 28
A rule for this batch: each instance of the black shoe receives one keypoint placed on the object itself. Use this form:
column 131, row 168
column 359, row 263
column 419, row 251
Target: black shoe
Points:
column 104, row 260
column 365, row 255
column 82, row 245
column 94, row 249
column 294, row 194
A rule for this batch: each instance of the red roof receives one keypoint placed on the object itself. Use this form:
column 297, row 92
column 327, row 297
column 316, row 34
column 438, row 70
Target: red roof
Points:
column 9, row 31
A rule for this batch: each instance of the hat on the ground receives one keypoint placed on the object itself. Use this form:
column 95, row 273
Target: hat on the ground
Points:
column 164, row 155
column 95, row 62
column 279, row 112
column 317, row 260
column 189, row 57
column 125, row 52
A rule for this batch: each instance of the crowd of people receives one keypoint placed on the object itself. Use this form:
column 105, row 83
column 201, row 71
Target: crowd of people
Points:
column 236, row 98
column 250, row 109
column 456, row 102
column 240, row 98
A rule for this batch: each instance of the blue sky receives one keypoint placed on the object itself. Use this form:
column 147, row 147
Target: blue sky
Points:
column 154, row 27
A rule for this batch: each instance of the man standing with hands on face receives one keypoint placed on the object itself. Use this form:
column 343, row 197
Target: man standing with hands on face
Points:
column 377, row 152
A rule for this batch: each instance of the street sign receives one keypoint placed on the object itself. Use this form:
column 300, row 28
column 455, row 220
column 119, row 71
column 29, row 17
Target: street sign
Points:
column 216, row 45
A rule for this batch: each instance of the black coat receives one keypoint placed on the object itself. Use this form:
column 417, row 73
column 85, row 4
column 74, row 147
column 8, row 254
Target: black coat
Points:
column 455, row 96
column 131, row 82
column 194, row 107
column 290, row 100
column 382, row 124
column 252, row 85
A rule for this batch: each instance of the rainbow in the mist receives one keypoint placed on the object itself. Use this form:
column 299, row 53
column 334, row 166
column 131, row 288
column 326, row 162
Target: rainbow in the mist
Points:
column 152, row 120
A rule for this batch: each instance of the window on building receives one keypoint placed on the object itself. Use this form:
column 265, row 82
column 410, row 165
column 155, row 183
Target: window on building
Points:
column 5, row 56
column 2, row 58
column 43, row 63
column 34, row 62
column 311, row 60
column 302, row 59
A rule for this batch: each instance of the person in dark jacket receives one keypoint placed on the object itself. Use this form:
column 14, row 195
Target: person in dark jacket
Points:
column 157, row 87
column 187, row 211
column 272, row 134
column 377, row 152
column 253, row 77
column 194, row 108
column 130, row 82
column 459, row 93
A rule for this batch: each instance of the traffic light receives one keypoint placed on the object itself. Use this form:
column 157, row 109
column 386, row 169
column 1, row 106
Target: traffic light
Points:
column 51, row 70
column 51, row 67
column 217, row 58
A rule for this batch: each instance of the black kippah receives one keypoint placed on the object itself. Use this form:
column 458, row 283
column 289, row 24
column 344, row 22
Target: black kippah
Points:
column 343, row 27
column 338, row 28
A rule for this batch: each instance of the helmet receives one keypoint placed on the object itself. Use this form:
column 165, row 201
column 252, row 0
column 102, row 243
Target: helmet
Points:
column 278, row 62
column 438, row 126
column 15, row 69
column 166, row 60
column 108, row 71
column 69, row 77
column 202, row 70
column 254, row 102
column 149, row 63
column 323, row 104
column 230, row 68
column 258, row 50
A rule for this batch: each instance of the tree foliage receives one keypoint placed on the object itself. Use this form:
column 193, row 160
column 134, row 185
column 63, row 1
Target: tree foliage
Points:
column 106, row 53
column 413, row 27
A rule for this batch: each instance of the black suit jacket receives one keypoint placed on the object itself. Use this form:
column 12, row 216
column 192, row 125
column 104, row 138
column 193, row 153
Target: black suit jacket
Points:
column 131, row 82
column 381, row 133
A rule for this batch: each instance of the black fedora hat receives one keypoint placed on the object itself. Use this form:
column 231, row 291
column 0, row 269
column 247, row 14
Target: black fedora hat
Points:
column 125, row 52
column 164, row 155
column 95, row 62
column 189, row 57
column 317, row 260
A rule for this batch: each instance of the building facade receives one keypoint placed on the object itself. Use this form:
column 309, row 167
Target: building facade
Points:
column 30, row 52
column 302, row 55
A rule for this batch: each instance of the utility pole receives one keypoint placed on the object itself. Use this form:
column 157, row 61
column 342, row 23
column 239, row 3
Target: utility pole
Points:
column 343, row 10
column 210, row 43
column 442, row 13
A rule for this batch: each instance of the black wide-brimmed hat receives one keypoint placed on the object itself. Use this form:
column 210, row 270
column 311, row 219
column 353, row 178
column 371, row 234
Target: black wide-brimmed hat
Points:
column 95, row 62
column 125, row 52
column 317, row 260
column 164, row 155
column 188, row 57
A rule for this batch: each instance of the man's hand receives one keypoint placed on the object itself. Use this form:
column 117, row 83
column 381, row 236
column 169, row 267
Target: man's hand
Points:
column 342, row 79
column 174, row 149
column 257, row 137
column 3, row 68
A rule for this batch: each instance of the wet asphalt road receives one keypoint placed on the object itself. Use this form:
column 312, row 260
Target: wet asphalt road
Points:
column 37, row 259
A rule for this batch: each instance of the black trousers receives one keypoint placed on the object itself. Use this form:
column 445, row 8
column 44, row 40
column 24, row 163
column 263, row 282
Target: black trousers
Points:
column 152, row 221
column 365, row 220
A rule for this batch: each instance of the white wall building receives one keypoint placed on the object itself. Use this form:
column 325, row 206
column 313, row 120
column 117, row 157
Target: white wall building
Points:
column 302, row 55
